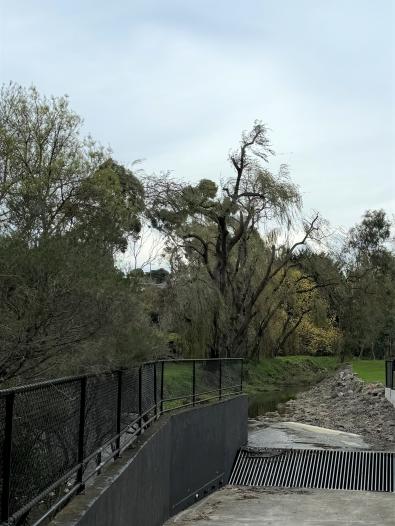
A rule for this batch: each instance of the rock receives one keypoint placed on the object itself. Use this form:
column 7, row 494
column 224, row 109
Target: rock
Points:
column 346, row 403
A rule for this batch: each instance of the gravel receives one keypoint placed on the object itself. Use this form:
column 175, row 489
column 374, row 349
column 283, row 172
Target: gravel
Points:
column 346, row 403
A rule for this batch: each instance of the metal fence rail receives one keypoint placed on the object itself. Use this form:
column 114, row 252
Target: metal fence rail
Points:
column 57, row 435
column 390, row 373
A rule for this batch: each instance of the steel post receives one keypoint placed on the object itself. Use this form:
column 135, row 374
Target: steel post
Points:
column 119, row 412
column 7, row 448
column 81, row 431
column 155, row 392
column 162, row 385
column 140, row 399
column 193, row 382
column 220, row 379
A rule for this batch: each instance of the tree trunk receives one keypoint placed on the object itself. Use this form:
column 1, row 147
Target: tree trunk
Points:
column 361, row 352
column 372, row 351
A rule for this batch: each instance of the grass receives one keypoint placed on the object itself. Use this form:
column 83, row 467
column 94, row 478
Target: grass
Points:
column 178, row 378
column 371, row 371
column 178, row 383
column 268, row 374
column 272, row 373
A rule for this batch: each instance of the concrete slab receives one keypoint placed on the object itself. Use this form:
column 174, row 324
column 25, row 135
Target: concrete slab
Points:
column 282, row 507
column 390, row 395
column 301, row 436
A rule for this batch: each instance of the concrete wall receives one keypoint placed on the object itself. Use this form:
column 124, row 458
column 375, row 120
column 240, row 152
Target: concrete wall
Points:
column 181, row 458
column 390, row 395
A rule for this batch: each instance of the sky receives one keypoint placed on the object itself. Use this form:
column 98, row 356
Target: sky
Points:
column 175, row 82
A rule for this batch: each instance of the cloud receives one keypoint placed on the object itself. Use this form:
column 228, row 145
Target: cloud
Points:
column 176, row 82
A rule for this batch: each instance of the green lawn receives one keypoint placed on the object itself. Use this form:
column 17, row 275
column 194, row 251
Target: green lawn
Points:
column 178, row 378
column 371, row 371
column 272, row 373
column 266, row 375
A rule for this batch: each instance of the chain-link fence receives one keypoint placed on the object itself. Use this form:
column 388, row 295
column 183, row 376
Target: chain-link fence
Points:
column 56, row 435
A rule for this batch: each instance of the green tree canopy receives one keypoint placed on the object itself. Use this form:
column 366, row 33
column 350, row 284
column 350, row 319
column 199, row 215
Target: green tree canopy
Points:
column 66, row 208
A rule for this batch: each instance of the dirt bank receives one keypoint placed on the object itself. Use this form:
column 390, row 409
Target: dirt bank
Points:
column 346, row 403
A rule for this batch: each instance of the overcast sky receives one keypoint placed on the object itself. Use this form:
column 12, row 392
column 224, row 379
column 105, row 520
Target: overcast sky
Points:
column 176, row 81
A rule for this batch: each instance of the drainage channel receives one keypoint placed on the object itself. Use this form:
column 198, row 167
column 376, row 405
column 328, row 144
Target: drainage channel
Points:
column 313, row 468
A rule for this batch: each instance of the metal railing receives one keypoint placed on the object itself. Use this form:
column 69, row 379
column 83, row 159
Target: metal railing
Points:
column 390, row 373
column 56, row 435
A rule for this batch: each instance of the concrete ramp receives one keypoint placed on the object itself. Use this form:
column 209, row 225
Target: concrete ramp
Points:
column 235, row 506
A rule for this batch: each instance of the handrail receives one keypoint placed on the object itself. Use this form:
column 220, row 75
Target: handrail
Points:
column 127, row 400
column 67, row 379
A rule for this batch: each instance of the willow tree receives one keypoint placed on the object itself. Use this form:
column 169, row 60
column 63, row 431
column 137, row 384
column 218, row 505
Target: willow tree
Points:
column 233, row 233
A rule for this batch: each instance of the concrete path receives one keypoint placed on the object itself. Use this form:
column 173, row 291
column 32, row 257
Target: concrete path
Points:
column 303, row 436
column 234, row 506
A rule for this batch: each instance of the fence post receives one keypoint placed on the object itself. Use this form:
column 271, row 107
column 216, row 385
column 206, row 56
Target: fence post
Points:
column 119, row 412
column 193, row 382
column 155, row 392
column 220, row 379
column 140, row 399
column 81, row 432
column 162, row 385
column 7, row 447
column 241, row 376
column 389, row 376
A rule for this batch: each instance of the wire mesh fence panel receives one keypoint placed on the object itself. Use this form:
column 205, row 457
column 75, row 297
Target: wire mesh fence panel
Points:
column 158, row 372
column 178, row 384
column 231, row 376
column 100, row 425
column 101, row 411
column 44, row 439
column 148, row 389
column 91, row 419
column 207, row 379
column 129, row 397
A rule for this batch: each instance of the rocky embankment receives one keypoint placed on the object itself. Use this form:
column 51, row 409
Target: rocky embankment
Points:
column 346, row 403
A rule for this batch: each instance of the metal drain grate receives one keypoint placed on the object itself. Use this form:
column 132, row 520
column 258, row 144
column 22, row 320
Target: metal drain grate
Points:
column 312, row 468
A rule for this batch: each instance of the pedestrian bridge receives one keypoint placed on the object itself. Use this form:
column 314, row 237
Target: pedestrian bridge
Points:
column 140, row 446
column 179, row 460
column 122, row 447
